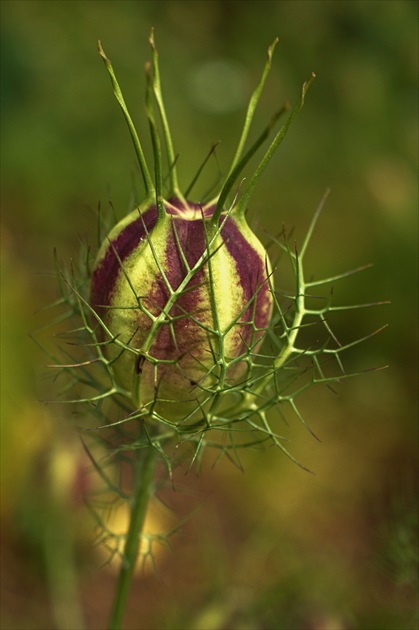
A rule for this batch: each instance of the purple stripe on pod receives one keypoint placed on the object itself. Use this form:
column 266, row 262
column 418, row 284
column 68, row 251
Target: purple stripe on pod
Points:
column 184, row 341
column 109, row 267
column 251, row 269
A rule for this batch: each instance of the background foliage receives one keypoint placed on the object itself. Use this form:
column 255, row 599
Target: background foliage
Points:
column 274, row 547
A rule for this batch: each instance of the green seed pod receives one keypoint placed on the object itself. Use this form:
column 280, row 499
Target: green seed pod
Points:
column 191, row 305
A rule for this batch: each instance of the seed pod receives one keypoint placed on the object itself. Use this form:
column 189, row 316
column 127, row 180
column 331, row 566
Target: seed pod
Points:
column 182, row 291
column 191, row 305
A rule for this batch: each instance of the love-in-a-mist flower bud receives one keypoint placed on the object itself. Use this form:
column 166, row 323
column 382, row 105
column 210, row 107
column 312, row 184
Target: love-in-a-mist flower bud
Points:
column 182, row 291
column 191, row 300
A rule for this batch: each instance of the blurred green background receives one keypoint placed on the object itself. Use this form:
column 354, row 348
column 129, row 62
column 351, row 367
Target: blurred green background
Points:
column 274, row 547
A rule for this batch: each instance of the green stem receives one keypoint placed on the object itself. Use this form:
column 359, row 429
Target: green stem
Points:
column 148, row 182
column 145, row 460
column 242, row 205
column 229, row 182
column 174, row 186
column 251, row 108
column 156, row 145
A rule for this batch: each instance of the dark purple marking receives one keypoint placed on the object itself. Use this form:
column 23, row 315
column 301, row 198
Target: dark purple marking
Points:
column 107, row 271
column 251, row 272
column 189, row 237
